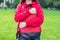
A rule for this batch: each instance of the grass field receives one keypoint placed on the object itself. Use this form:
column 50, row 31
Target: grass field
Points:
column 50, row 28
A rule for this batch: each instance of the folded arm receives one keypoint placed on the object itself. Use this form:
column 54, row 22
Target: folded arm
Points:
column 38, row 19
column 19, row 14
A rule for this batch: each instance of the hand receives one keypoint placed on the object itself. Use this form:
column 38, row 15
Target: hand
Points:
column 22, row 25
column 32, row 11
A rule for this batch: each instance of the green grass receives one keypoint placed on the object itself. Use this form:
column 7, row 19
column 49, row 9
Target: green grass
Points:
column 50, row 28
column 7, row 25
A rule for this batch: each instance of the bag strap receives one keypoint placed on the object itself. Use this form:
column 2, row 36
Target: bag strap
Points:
column 18, row 33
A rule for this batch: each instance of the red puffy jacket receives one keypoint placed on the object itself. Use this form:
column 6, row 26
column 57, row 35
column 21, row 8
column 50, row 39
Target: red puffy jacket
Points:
column 34, row 22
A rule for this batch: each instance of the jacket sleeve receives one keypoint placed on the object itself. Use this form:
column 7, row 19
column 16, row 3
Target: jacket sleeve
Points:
column 37, row 20
column 19, row 14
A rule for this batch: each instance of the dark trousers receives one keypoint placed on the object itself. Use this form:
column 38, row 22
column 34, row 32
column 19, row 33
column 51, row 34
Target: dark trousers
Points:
column 33, row 36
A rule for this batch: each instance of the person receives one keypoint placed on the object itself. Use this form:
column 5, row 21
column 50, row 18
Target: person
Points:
column 29, row 16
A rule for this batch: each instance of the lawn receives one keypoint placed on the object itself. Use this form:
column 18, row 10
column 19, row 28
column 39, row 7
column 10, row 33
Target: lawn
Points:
column 50, row 28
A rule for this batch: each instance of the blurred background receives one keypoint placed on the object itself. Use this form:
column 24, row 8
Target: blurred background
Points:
column 49, row 4
column 50, row 27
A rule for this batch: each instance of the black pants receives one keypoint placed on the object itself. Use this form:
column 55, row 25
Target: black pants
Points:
column 29, row 36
